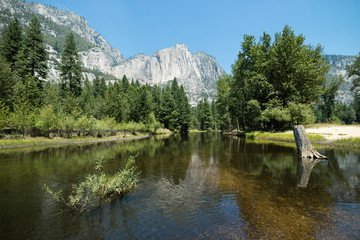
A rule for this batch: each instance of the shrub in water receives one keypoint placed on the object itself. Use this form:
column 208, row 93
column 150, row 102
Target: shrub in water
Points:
column 99, row 186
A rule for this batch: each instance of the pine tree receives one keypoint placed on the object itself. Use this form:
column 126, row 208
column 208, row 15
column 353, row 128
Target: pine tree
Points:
column 167, row 109
column 205, row 114
column 7, row 82
column 70, row 67
column 11, row 42
column 125, row 83
column 184, row 110
column 87, row 98
column 145, row 103
column 32, row 57
column 156, row 96
column 214, row 115
column 223, row 102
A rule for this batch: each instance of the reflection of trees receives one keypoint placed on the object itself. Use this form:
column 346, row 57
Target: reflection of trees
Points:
column 343, row 175
column 269, row 203
column 23, row 174
column 182, row 176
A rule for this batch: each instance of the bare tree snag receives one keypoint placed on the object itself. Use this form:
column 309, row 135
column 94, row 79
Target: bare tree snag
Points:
column 303, row 145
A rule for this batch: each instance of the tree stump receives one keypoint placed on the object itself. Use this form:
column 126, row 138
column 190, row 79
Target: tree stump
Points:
column 303, row 145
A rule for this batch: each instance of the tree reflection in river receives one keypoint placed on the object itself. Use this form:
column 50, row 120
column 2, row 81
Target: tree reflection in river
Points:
column 197, row 186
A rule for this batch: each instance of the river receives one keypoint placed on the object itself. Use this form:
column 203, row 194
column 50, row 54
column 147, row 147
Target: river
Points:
column 200, row 186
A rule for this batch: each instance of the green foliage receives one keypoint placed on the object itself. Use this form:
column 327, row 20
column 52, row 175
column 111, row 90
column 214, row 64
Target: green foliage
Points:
column 329, row 95
column 32, row 57
column 47, row 120
column 354, row 70
column 283, row 71
column 99, row 186
column 275, row 116
column 223, row 102
column 70, row 108
column 22, row 119
column 4, row 112
column 70, row 67
column 253, row 113
column 286, row 137
column 151, row 124
column 204, row 114
column 301, row 113
column 356, row 106
column 11, row 42
column 346, row 114
column 7, row 83
column 298, row 70
column 175, row 110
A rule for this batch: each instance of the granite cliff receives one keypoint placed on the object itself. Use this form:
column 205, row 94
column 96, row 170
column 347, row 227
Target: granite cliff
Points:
column 197, row 72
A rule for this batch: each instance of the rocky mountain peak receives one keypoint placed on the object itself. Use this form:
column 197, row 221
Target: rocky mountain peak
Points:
column 198, row 72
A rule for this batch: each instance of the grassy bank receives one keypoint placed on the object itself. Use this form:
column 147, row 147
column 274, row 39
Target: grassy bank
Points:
column 34, row 142
column 279, row 136
column 346, row 143
column 316, row 139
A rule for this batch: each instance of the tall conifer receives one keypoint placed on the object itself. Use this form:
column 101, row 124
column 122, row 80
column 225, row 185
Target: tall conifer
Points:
column 32, row 57
column 70, row 67
column 11, row 42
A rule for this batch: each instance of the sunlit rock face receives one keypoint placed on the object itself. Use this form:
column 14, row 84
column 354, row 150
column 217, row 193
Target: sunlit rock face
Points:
column 338, row 65
column 197, row 72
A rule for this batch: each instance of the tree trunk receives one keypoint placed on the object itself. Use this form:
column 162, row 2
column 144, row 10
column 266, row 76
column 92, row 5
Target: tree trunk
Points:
column 303, row 145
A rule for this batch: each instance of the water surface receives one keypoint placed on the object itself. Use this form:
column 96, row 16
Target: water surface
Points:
column 201, row 186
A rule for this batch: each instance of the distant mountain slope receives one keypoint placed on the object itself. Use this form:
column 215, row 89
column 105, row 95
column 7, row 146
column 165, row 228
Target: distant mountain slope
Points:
column 198, row 72
column 338, row 64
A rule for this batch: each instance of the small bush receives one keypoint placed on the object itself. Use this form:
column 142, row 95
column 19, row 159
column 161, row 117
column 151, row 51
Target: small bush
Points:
column 99, row 186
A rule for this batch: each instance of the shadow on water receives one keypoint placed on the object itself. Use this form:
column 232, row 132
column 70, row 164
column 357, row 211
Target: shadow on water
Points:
column 200, row 186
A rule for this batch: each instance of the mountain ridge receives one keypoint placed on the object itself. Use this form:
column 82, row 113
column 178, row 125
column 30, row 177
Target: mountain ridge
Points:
column 196, row 72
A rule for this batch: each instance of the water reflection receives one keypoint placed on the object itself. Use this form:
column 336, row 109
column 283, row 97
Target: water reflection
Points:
column 200, row 186
column 304, row 169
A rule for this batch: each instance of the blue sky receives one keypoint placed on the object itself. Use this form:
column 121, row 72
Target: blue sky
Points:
column 217, row 27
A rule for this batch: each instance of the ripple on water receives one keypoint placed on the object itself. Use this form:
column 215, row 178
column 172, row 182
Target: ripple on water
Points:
column 174, row 210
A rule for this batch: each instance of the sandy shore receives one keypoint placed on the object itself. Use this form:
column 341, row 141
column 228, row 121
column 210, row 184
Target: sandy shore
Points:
column 335, row 132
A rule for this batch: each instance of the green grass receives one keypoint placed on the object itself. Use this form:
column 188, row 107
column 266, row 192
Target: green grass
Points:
column 41, row 141
column 285, row 137
column 348, row 142
column 317, row 140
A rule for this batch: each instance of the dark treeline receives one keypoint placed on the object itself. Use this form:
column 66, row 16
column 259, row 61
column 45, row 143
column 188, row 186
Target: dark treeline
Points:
column 31, row 104
column 281, row 82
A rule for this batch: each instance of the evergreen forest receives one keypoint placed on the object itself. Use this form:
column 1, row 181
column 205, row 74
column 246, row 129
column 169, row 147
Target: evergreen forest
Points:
column 30, row 104
column 275, row 83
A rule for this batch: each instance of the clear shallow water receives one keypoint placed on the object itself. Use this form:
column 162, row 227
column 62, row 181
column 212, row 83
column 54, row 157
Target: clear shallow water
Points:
column 197, row 187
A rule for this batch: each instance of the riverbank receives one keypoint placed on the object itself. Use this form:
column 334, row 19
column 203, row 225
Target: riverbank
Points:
column 34, row 142
column 322, row 134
